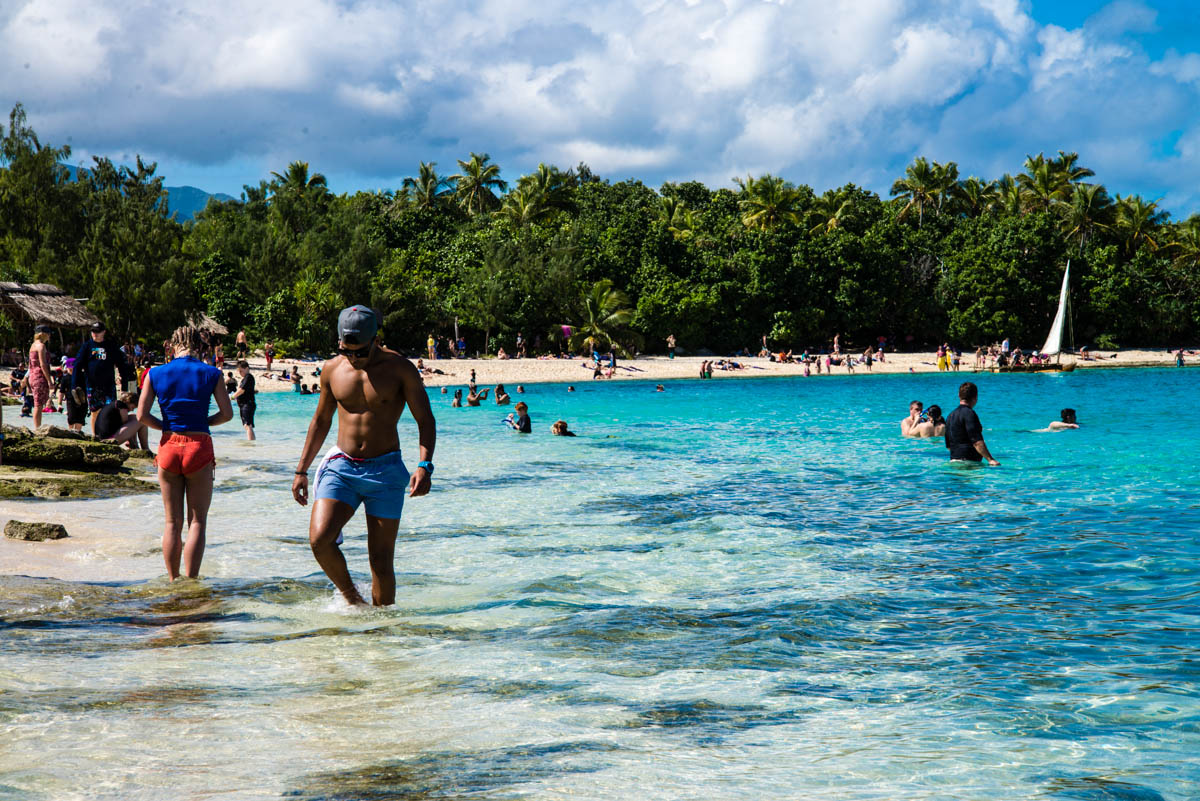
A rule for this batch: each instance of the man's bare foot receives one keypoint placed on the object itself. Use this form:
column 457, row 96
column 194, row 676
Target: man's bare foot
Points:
column 354, row 599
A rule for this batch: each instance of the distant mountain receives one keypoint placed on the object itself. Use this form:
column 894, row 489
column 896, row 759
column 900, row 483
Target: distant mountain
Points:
column 182, row 201
column 185, row 201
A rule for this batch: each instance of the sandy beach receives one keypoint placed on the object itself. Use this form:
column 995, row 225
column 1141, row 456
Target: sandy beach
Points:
column 511, row 372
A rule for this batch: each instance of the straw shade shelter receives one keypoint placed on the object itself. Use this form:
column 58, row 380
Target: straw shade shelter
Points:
column 206, row 323
column 43, row 304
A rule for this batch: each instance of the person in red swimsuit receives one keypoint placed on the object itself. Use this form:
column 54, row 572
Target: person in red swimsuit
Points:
column 184, row 388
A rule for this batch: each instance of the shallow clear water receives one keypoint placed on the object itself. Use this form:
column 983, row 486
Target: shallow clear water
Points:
column 731, row 589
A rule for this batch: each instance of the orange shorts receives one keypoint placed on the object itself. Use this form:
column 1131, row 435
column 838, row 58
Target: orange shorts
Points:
column 185, row 453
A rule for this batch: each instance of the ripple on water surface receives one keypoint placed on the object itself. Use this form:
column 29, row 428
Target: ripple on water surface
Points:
column 725, row 590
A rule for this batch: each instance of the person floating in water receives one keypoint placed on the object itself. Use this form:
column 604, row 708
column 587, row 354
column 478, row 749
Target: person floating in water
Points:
column 364, row 467
column 559, row 429
column 908, row 424
column 1067, row 421
column 964, row 432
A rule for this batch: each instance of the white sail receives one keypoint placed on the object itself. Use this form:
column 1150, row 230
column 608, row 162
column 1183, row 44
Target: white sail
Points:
column 1053, row 344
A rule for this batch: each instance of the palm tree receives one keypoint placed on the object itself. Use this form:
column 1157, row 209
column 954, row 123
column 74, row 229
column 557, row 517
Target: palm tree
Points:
column 1042, row 184
column 295, row 193
column 1187, row 244
column 522, row 207
column 297, row 182
column 552, row 187
column 828, row 211
column 1138, row 221
column 1008, row 195
column 680, row 220
column 768, row 201
column 474, row 185
column 428, row 190
column 975, row 197
column 921, row 187
column 604, row 314
column 1087, row 210
column 1066, row 163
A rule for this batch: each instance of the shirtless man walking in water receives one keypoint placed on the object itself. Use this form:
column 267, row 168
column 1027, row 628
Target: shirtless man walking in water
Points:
column 369, row 386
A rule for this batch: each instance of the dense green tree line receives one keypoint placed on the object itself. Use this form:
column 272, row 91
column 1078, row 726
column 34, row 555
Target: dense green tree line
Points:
column 946, row 257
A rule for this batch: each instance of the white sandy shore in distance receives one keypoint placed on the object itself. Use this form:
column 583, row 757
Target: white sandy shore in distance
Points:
column 511, row 372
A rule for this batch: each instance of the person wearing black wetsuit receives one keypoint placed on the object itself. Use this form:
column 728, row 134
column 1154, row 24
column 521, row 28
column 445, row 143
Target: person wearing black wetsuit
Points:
column 94, row 370
column 964, row 432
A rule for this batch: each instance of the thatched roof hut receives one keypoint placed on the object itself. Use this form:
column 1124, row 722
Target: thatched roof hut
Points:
column 44, row 304
column 206, row 323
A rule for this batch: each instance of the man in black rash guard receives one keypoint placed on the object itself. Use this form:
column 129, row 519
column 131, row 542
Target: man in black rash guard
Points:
column 964, row 432
column 94, row 369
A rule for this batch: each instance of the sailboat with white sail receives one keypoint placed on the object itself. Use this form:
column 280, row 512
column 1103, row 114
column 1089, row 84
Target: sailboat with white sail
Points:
column 1061, row 329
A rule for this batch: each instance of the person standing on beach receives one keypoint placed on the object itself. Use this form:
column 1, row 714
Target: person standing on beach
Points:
column 94, row 369
column 244, row 394
column 670, row 346
column 242, row 344
column 369, row 386
column 431, row 347
column 40, row 379
column 184, row 388
column 964, row 432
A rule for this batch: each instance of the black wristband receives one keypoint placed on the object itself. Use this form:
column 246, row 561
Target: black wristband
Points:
column 301, row 472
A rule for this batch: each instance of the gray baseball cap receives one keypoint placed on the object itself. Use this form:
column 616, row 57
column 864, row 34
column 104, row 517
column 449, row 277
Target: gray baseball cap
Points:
column 357, row 325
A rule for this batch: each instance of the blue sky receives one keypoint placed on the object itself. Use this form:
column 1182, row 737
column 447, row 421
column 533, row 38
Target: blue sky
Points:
column 824, row 92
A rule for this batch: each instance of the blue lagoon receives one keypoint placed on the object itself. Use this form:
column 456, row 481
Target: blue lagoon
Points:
column 730, row 589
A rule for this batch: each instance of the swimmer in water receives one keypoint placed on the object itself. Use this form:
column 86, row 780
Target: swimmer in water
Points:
column 932, row 424
column 660, row 388
column 457, row 402
column 476, row 395
column 559, row 429
column 1067, row 421
column 914, row 417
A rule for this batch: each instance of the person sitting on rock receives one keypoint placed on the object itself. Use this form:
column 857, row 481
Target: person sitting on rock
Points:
column 115, row 424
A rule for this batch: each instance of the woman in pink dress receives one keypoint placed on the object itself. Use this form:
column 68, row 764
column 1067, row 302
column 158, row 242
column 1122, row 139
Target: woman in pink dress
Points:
column 39, row 373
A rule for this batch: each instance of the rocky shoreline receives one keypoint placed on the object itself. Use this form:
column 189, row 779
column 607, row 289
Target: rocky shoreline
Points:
column 59, row 463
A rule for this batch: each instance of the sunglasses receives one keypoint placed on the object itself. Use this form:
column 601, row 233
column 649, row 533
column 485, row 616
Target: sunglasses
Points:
column 354, row 353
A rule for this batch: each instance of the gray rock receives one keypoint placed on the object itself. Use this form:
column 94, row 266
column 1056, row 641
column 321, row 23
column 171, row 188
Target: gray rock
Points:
column 59, row 433
column 34, row 532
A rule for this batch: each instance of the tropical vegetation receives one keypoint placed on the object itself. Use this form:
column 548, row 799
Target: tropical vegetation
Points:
column 572, row 260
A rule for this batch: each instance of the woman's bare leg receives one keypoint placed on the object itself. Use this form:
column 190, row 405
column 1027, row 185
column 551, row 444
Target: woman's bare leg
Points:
column 199, row 498
column 172, row 485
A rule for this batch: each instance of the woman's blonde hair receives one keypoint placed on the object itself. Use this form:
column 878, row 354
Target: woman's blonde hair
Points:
column 189, row 338
column 41, row 336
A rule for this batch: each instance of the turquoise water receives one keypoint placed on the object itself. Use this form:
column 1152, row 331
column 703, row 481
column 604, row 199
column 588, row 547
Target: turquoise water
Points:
column 730, row 589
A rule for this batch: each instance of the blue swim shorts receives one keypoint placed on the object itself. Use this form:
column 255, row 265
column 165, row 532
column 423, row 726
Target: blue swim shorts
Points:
column 380, row 484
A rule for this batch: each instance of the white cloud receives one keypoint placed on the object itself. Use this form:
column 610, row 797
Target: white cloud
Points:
column 821, row 91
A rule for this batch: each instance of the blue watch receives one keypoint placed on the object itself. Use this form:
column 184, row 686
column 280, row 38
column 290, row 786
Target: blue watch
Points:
column 427, row 465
